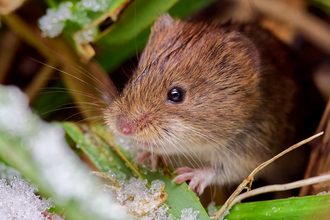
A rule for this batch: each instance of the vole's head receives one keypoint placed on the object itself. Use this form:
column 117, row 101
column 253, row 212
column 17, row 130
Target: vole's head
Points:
column 195, row 87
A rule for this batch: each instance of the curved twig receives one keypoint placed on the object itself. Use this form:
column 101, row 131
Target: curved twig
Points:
column 248, row 181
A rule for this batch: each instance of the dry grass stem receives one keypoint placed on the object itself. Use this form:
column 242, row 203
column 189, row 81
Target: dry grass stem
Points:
column 246, row 184
column 319, row 160
column 40, row 80
column 8, row 6
column 9, row 45
column 106, row 177
column 281, row 187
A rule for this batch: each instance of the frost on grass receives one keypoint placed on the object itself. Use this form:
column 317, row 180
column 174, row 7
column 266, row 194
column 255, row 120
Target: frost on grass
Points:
column 126, row 143
column 211, row 208
column 18, row 201
column 143, row 202
column 130, row 145
column 8, row 173
column 96, row 5
column 85, row 36
column 53, row 23
column 137, row 199
column 189, row 214
column 323, row 193
column 59, row 169
column 156, row 185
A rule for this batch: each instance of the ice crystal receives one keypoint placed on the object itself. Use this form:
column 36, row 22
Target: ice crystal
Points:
column 53, row 22
column 156, row 185
column 323, row 193
column 126, row 143
column 85, row 36
column 134, row 188
column 211, row 208
column 139, row 200
column 96, row 5
column 18, row 201
column 189, row 214
column 8, row 173
column 158, row 213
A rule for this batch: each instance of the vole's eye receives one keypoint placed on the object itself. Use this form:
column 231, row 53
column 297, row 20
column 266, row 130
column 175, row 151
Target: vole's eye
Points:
column 176, row 94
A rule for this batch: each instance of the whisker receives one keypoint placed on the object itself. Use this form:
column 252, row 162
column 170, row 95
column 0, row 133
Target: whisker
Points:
column 79, row 113
column 166, row 152
column 180, row 152
column 256, row 140
column 78, row 93
column 72, row 77
column 102, row 124
column 203, row 135
column 91, row 76
column 58, row 89
column 198, row 162
column 88, row 119
column 59, row 109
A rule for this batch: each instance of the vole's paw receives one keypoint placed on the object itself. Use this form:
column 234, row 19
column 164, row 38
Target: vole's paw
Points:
column 143, row 155
column 199, row 178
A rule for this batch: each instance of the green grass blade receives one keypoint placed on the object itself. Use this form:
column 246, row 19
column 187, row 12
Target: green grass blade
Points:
column 179, row 195
column 100, row 153
column 185, row 8
column 138, row 16
column 299, row 208
column 116, row 52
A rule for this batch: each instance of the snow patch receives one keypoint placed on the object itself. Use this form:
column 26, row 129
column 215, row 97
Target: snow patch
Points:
column 18, row 201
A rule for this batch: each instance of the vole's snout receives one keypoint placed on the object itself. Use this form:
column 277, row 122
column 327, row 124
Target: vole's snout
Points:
column 129, row 126
column 125, row 125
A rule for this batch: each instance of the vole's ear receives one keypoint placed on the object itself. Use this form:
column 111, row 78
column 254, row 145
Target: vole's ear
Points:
column 163, row 22
column 251, row 52
column 244, row 47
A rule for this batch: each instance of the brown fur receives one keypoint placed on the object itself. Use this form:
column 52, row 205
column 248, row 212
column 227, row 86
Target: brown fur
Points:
column 241, row 99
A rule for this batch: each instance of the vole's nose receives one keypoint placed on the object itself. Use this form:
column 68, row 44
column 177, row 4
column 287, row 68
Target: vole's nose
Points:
column 125, row 126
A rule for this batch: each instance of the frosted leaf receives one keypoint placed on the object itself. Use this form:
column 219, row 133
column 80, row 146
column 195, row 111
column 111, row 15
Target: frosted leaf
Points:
column 53, row 22
column 158, row 213
column 96, row 5
column 127, row 144
column 134, row 188
column 80, row 16
column 18, row 201
column 156, row 185
column 8, row 173
column 211, row 208
column 227, row 212
column 64, row 11
column 85, row 36
column 124, row 142
column 135, row 196
column 323, row 193
column 170, row 217
column 188, row 214
column 118, row 175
